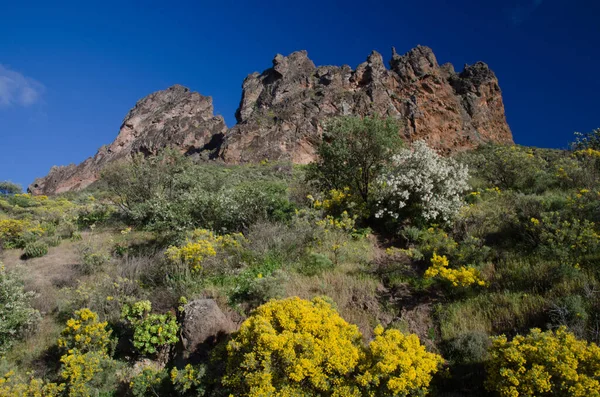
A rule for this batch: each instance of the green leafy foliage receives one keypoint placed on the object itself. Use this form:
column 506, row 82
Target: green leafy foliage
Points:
column 18, row 317
column 354, row 152
column 35, row 249
column 152, row 332
column 7, row 187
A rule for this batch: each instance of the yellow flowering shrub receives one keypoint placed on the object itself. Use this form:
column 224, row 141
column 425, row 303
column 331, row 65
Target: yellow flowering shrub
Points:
column 337, row 201
column 344, row 223
column 13, row 230
column 397, row 365
column 11, row 387
column 294, row 347
column 187, row 379
column 465, row 276
column 567, row 239
column 589, row 152
column 551, row 363
column 201, row 245
column 290, row 346
column 79, row 369
column 85, row 333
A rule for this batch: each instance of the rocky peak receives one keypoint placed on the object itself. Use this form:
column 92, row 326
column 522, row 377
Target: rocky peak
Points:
column 416, row 63
column 175, row 117
column 282, row 109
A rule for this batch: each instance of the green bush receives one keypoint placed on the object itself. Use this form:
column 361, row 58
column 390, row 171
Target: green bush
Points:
column 53, row 241
column 353, row 153
column 92, row 258
column 315, row 264
column 179, row 195
column 16, row 314
column 35, row 249
column 153, row 333
column 507, row 167
column 7, row 187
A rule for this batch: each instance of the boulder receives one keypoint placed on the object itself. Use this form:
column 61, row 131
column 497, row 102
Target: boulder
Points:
column 203, row 324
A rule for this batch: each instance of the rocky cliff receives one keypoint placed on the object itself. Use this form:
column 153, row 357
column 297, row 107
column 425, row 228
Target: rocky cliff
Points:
column 174, row 117
column 282, row 110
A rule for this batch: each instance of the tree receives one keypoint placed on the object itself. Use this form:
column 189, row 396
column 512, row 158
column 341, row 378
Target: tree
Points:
column 7, row 187
column 588, row 140
column 353, row 153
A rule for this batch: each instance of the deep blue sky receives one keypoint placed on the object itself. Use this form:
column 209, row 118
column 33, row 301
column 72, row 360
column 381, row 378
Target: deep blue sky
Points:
column 75, row 69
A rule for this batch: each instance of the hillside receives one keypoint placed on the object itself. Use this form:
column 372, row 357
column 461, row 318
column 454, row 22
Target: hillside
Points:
column 282, row 111
column 382, row 268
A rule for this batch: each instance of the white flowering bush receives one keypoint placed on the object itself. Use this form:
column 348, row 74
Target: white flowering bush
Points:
column 423, row 184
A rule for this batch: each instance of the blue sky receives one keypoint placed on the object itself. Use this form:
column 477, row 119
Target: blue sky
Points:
column 70, row 71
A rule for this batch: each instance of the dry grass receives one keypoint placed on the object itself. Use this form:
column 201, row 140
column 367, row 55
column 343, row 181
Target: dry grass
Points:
column 31, row 352
column 355, row 294
column 48, row 274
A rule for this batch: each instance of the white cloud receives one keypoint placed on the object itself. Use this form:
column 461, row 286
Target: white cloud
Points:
column 17, row 89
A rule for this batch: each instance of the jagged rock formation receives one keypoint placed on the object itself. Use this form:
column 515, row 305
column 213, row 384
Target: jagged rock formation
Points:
column 174, row 117
column 281, row 111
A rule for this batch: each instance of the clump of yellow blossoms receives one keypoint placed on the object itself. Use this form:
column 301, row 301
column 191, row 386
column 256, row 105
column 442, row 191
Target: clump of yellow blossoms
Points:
column 85, row 333
column 464, row 276
column 290, row 345
column 12, row 229
column 202, row 244
column 551, row 363
column 344, row 223
column 589, row 152
column 398, row 365
column 87, row 342
column 296, row 347
column 337, row 199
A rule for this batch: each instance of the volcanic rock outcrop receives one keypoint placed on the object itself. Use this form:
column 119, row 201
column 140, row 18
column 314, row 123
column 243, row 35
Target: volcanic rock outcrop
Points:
column 282, row 111
column 174, row 117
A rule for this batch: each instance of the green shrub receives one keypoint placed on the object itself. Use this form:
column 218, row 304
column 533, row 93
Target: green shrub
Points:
column 189, row 380
column 179, row 195
column 353, row 153
column 588, row 140
column 315, row 264
column 92, row 258
column 153, row 333
column 35, row 249
column 53, row 241
column 508, row 167
column 468, row 348
column 7, row 187
column 150, row 382
column 18, row 317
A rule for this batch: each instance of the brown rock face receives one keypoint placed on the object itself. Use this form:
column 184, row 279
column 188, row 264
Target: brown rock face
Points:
column 174, row 117
column 281, row 111
column 203, row 323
